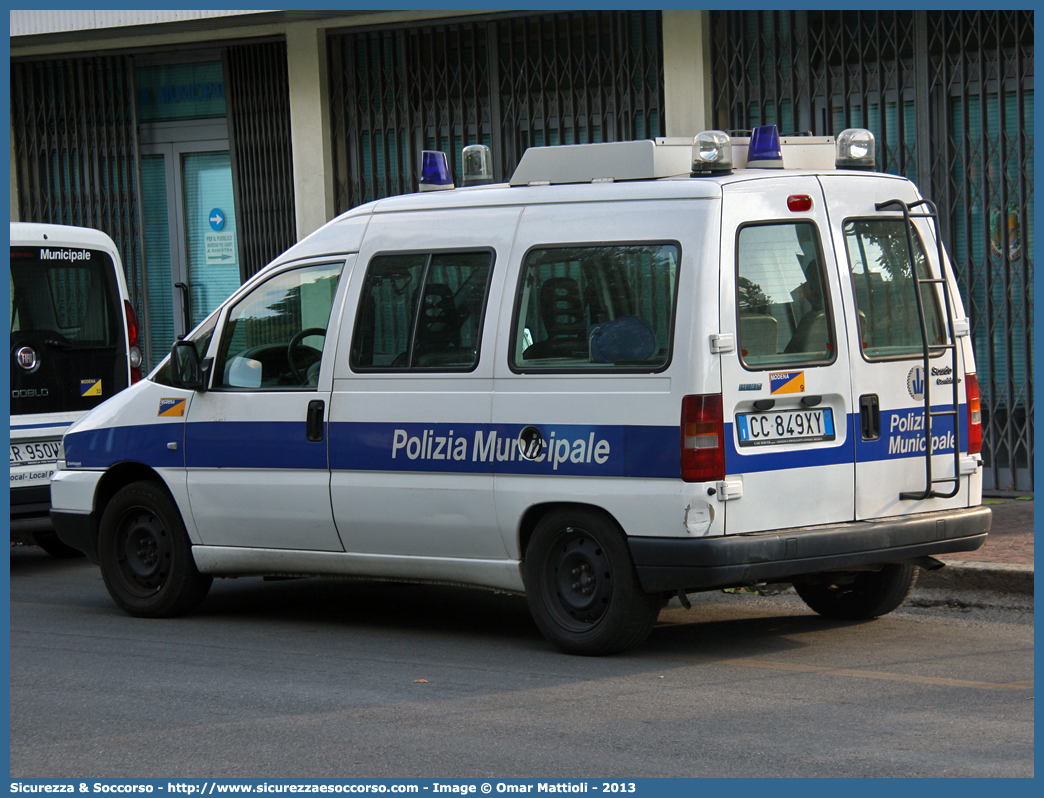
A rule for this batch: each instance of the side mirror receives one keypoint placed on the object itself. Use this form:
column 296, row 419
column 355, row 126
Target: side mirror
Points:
column 186, row 369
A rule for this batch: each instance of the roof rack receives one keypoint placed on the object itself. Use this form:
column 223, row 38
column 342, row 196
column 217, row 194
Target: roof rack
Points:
column 650, row 159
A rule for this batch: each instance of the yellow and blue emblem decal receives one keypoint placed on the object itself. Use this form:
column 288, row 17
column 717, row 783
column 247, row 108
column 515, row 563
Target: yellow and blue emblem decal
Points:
column 171, row 407
column 787, row 382
column 91, row 387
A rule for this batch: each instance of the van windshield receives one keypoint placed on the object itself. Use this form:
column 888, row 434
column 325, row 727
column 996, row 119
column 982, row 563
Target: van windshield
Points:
column 67, row 347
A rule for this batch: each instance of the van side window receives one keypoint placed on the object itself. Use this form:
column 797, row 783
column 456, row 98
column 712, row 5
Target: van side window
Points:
column 274, row 335
column 784, row 313
column 879, row 258
column 600, row 307
column 422, row 311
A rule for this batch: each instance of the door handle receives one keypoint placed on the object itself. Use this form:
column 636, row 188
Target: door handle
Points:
column 870, row 416
column 314, row 421
column 186, row 305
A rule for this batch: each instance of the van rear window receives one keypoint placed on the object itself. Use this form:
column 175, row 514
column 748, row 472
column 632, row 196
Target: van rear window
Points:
column 889, row 324
column 596, row 308
column 784, row 312
column 66, row 330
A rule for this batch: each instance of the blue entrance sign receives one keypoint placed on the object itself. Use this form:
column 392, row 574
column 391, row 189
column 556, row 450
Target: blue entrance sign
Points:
column 217, row 219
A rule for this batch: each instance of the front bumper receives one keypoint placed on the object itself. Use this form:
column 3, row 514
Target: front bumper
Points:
column 667, row 564
column 79, row 530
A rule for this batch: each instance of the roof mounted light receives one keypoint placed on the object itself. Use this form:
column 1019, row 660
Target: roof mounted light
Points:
column 435, row 173
column 764, row 151
column 477, row 165
column 855, row 150
column 711, row 153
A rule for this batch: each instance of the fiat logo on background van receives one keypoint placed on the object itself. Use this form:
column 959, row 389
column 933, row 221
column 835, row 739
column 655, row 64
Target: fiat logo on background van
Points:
column 915, row 383
column 27, row 359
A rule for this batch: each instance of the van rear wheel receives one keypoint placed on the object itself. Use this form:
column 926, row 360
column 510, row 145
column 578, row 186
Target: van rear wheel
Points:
column 582, row 587
column 861, row 595
column 145, row 554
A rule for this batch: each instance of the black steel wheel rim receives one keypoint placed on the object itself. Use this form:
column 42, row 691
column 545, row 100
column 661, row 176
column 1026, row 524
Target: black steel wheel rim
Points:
column 579, row 579
column 143, row 552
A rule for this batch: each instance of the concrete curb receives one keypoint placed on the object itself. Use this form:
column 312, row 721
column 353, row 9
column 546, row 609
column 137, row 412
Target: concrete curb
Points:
column 995, row 577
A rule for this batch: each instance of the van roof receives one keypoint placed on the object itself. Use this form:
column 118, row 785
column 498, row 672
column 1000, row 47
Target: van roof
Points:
column 344, row 233
column 30, row 234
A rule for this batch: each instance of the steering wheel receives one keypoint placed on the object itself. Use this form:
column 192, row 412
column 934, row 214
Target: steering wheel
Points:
column 296, row 342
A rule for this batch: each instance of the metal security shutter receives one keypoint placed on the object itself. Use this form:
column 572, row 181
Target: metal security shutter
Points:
column 949, row 97
column 258, row 96
column 76, row 151
column 579, row 78
column 509, row 82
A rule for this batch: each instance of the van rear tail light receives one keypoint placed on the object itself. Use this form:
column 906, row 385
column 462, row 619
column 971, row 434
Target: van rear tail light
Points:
column 702, row 439
column 133, row 342
column 971, row 383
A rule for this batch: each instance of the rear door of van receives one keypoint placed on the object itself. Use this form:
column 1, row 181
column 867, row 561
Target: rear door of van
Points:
column 68, row 355
column 888, row 372
column 786, row 387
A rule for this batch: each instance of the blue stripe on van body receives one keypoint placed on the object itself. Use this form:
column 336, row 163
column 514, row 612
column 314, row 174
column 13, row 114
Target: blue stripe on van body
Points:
column 780, row 457
column 280, row 445
column 570, row 449
column 42, row 426
column 643, row 452
column 144, row 443
column 902, row 434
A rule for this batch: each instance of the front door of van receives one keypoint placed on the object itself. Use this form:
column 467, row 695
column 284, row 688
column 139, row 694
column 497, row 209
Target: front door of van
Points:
column 256, row 443
column 888, row 377
column 786, row 386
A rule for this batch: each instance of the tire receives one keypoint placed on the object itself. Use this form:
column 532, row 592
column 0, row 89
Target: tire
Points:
column 861, row 595
column 145, row 554
column 581, row 585
column 48, row 541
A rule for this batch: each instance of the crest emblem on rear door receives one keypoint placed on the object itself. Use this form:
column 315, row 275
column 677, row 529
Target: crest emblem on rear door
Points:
column 915, row 383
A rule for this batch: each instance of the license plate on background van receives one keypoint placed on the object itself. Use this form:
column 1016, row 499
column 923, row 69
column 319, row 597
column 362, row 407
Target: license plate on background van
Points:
column 785, row 426
column 37, row 453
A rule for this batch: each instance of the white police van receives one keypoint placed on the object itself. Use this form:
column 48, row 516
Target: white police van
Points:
column 74, row 344
column 639, row 370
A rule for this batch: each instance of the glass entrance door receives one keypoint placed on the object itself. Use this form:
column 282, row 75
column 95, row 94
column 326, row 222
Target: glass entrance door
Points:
column 211, row 255
column 190, row 231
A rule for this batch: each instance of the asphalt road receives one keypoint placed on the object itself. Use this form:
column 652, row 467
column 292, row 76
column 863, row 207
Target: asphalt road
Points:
column 334, row 678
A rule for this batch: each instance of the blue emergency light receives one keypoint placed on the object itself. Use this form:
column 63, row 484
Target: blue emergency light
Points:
column 435, row 173
column 764, row 151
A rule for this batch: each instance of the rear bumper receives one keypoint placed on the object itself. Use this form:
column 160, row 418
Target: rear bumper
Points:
column 31, row 502
column 780, row 555
column 79, row 530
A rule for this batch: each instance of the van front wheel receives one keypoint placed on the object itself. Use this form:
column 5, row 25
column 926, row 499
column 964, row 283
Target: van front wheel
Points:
column 145, row 554
column 581, row 585
column 860, row 595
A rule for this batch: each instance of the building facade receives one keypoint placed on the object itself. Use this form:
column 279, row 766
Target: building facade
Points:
column 206, row 143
